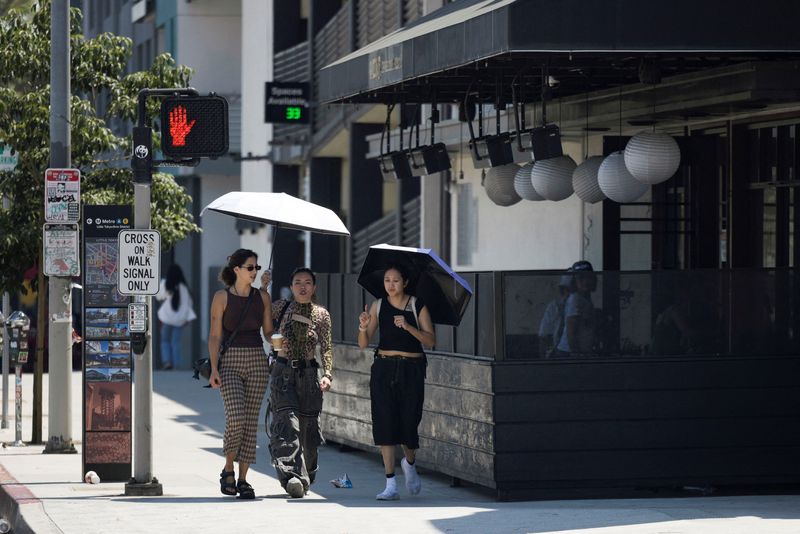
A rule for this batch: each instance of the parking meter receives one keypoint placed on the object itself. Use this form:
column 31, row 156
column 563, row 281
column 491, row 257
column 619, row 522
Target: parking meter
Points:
column 17, row 327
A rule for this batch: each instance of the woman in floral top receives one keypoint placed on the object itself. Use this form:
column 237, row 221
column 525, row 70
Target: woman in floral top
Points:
column 295, row 400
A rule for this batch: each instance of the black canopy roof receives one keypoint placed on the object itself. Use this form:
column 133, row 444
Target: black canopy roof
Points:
column 587, row 44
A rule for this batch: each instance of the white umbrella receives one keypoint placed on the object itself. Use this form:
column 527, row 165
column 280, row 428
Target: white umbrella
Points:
column 280, row 210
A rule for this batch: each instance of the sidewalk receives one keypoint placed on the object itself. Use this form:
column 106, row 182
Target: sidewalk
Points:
column 188, row 424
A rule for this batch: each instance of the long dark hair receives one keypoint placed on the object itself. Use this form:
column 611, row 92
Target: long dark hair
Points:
column 237, row 259
column 173, row 282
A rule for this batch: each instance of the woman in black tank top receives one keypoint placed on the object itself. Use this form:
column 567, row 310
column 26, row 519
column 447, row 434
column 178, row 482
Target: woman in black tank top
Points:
column 397, row 376
column 239, row 367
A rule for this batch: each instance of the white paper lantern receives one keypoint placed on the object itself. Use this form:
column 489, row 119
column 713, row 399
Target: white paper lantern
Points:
column 523, row 185
column 616, row 182
column 652, row 157
column 552, row 178
column 499, row 185
column 584, row 180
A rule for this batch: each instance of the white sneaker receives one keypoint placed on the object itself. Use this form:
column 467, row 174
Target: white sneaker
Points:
column 390, row 493
column 413, row 483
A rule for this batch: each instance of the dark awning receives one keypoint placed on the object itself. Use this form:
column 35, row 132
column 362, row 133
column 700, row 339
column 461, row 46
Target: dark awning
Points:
column 600, row 43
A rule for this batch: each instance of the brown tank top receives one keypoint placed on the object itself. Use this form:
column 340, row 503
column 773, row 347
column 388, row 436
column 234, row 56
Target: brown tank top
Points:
column 249, row 333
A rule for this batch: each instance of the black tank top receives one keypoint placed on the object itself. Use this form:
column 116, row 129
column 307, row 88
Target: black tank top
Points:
column 248, row 334
column 392, row 337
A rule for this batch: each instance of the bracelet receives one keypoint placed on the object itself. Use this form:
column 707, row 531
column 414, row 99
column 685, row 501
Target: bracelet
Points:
column 362, row 329
column 328, row 376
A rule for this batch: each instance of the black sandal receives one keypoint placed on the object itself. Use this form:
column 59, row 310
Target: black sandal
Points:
column 245, row 490
column 226, row 487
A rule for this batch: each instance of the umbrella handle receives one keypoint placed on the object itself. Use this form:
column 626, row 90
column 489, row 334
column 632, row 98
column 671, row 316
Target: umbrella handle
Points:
column 272, row 248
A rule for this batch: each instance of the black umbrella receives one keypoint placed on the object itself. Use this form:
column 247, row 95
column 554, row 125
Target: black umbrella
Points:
column 445, row 294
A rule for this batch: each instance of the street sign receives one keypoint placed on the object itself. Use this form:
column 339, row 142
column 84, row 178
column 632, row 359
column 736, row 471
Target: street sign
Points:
column 287, row 102
column 8, row 158
column 194, row 127
column 62, row 195
column 61, row 250
column 139, row 262
column 137, row 317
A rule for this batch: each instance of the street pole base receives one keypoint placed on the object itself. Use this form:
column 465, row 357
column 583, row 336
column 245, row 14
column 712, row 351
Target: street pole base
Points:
column 59, row 446
column 18, row 443
column 146, row 489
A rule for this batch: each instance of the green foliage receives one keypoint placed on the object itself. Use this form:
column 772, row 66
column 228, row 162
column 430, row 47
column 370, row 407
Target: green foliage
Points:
column 102, row 95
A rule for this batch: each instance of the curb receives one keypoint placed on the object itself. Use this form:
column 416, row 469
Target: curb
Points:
column 22, row 508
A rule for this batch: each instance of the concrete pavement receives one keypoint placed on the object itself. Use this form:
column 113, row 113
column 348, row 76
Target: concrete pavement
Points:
column 188, row 423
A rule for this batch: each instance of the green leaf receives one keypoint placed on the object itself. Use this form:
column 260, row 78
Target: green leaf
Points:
column 103, row 94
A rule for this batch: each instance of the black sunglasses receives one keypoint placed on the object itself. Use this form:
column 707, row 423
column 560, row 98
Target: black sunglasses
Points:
column 251, row 267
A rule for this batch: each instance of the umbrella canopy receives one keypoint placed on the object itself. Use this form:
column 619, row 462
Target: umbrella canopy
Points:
column 280, row 210
column 445, row 294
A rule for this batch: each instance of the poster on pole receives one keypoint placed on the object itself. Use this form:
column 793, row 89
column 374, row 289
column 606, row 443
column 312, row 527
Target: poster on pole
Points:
column 107, row 362
column 61, row 250
column 62, row 195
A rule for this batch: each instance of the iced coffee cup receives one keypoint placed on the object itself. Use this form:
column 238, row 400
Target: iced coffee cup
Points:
column 277, row 341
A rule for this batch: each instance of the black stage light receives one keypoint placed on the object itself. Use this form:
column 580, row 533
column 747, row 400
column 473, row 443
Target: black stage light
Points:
column 395, row 166
column 493, row 150
column 546, row 142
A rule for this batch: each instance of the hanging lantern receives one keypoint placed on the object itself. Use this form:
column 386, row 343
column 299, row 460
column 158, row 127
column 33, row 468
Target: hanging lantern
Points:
column 523, row 185
column 552, row 178
column 499, row 185
column 584, row 180
column 616, row 182
column 652, row 157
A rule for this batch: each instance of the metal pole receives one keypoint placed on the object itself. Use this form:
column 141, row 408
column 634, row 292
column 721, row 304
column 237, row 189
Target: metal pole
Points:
column 18, row 407
column 60, row 334
column 6, row 313
column 143, row 369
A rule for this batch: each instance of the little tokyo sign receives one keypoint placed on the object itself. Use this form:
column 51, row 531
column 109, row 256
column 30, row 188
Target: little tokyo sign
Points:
column 139, row 262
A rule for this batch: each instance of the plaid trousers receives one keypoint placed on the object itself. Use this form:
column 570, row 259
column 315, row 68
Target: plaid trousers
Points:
column 244, row 372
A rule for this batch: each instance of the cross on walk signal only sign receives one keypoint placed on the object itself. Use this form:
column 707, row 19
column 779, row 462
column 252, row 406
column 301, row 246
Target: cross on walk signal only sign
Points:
column 139, row 262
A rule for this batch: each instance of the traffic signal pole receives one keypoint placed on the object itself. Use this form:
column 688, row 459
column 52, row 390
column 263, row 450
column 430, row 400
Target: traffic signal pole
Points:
column 143, row 482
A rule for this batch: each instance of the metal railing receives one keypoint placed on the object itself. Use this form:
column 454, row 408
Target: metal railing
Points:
column 700, row 313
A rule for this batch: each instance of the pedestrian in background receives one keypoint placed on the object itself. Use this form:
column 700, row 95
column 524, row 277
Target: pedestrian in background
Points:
column 295, row 400
column 397, row 376
column 175, row 312
column 552, row 324
column 578, row 336
column 239, row 366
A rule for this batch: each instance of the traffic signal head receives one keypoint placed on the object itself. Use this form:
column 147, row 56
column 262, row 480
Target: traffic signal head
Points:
column 194, row 126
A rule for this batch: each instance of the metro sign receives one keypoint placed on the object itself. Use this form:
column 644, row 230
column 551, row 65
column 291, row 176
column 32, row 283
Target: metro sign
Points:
column 194, row 126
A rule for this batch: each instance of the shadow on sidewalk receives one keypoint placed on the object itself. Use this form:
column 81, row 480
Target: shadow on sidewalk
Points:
column 478, row 509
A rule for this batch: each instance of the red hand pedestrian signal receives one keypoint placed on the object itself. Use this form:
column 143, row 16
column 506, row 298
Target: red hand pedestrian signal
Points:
column 194, row 127
column 178, row 127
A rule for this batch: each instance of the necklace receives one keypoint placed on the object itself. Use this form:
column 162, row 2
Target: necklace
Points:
column 235, row 291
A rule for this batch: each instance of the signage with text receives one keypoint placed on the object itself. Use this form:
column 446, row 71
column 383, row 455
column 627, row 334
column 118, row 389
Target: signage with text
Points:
column 139, row 262
column 61, row 250
column 287, row 102
column 62, row 195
